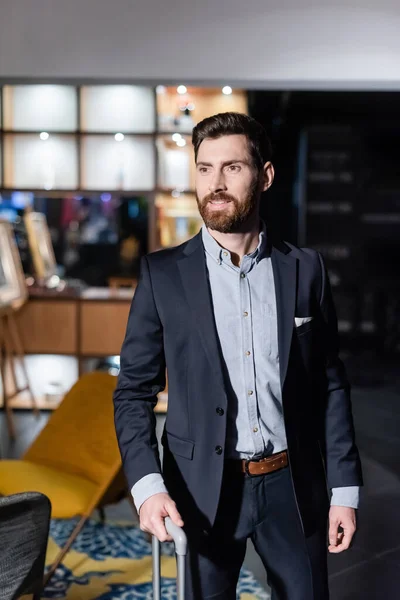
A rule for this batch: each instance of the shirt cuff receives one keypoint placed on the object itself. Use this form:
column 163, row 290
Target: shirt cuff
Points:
column 346, row 496
column 146, row 487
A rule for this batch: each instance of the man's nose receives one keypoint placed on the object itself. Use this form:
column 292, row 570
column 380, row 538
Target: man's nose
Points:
column 217, row 184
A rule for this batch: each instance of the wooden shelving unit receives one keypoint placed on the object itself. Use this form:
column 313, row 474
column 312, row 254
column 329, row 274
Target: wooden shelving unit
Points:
column 120, row 140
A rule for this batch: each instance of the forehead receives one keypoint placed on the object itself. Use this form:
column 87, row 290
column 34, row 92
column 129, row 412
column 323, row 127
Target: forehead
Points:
column 227, row 147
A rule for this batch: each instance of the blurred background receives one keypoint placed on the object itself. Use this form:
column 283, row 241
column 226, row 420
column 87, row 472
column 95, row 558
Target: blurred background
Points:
column 97, row 104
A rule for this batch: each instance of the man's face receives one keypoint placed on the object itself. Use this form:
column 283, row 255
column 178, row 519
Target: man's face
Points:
column 228, row 186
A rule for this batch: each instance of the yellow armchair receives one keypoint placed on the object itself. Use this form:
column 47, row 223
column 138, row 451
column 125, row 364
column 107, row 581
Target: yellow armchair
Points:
column 75, row 460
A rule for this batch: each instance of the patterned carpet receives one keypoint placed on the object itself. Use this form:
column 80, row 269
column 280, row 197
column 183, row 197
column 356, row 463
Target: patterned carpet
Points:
column 113, row 562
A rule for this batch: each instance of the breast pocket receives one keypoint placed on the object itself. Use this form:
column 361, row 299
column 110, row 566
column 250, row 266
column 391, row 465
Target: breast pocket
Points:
column 305, row 328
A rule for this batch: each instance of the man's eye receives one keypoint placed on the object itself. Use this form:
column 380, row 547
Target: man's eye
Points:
column 233, row 168
column 203, row 169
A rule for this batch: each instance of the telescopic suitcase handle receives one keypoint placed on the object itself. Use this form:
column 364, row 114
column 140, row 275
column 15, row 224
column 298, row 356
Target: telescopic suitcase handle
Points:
column 180, row 541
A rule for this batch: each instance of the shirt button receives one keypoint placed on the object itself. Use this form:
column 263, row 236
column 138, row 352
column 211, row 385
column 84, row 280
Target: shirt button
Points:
column 218, row 449
column 220, row 411
column 250, row 392
column 245, row 314
column 248, row 353
column 225, row 254
column 255, row 429
column 242, row 275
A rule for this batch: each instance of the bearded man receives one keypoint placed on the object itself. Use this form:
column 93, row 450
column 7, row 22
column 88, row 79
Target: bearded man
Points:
column 259, row 430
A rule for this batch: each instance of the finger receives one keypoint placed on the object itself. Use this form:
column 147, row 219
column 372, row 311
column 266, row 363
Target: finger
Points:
column 156, row 527
column 174, row 514
column 348, row 533
column 344, row 542
column 144, row 523
column 333, row 532
column 160, row 532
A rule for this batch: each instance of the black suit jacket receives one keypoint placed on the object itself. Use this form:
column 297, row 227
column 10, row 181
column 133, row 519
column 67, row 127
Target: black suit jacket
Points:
column 171, row 325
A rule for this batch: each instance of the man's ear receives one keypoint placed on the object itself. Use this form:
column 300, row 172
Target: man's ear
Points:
column 268, row 175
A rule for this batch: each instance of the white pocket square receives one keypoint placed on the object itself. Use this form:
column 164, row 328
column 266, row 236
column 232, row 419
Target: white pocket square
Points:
column 301, row 320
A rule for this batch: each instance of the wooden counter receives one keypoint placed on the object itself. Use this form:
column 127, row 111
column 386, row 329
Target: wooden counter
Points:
column 49, row 326
column 88, row 324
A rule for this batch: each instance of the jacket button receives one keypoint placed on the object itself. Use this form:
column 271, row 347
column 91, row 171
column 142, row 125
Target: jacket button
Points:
column 220, row 411
column 218, row 449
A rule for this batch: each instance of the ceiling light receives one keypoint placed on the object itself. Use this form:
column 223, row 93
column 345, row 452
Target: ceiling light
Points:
column 181, row 143
column 119, row 137
column 44, row 135
column 227, row 90
column 181, row 89
column 176, row 137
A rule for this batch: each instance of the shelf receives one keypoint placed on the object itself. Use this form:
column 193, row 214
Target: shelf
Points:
column 117, row 108
column 178, row 219
column 180, row 112
column 30, row 162
column 44, row 107
column 78, row 133
column 166, row 190
column 81, row 157
column 118, row 165
column 78, row 191
column 176, row 166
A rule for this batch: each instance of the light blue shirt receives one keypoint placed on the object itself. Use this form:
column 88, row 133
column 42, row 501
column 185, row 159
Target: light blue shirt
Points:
column 245, row 316
column 246, row 320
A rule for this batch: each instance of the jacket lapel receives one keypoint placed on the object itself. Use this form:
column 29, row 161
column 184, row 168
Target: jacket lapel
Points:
column 193, row 271
column 285, row 278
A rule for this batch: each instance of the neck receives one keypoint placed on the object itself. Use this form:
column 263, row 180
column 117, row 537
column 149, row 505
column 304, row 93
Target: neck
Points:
column 242, row 242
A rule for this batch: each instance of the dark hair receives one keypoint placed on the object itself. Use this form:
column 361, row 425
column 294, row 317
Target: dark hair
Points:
column 232, row 123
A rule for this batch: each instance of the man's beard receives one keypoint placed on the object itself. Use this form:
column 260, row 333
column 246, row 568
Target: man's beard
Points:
column 232, row 219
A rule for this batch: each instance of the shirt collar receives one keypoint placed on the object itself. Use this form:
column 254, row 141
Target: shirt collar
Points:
column 212, row 247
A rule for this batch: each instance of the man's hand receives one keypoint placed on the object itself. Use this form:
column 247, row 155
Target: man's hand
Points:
column 153, row 512
column 344, row 517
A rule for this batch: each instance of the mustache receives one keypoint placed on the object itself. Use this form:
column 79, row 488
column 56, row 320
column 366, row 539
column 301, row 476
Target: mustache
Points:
column 220, row 196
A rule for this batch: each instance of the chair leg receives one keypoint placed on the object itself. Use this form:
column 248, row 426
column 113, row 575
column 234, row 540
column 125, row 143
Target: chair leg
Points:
column 20, row 354
column 37, row 595
column 102, row 515
column 37, row 591
column 65, row 550
column 6, row 405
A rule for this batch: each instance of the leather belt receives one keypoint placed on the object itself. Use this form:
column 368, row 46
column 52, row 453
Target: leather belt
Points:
column 265, row 465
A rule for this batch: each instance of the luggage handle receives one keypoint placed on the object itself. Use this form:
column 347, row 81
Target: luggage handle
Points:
column 180, row 541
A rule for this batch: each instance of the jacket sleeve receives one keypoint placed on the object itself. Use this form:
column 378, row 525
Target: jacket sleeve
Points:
column 141, row 378
column 342, row 461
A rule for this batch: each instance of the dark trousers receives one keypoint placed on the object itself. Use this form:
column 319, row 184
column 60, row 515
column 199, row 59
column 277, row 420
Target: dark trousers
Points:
column 262, row 508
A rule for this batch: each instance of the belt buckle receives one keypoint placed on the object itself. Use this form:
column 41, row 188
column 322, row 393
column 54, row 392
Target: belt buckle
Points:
column 246, row 467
